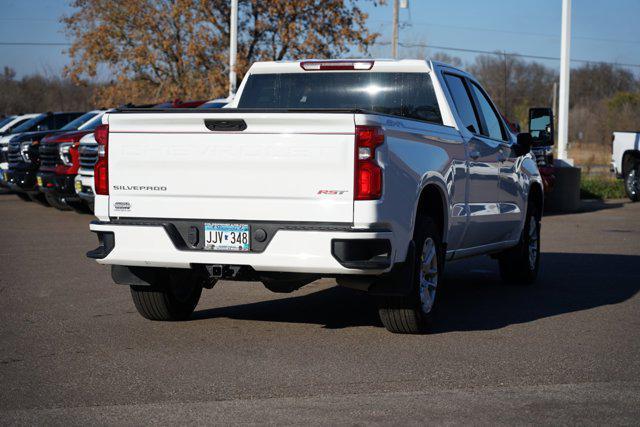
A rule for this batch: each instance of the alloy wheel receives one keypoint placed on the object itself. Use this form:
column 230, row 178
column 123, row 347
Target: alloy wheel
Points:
column 533, row 243
column 428, row 275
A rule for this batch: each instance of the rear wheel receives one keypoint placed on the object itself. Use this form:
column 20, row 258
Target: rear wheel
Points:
column 632, row 182
column 413, row 313
column 57, row 202
column 173, row 297
column 519, row 265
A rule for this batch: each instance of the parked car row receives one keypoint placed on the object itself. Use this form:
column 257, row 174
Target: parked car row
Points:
column 49, row 157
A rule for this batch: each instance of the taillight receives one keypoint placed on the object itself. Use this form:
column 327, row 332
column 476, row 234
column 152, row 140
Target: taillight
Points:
column 368, row 174
column 101, row 169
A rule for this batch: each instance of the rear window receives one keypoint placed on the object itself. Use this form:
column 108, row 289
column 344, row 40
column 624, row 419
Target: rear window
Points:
column 408, row 95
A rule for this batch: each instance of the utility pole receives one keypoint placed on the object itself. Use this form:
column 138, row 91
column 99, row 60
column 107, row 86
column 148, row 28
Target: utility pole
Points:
column 506, row 96
column 397, row 5
column 394, row 42
column 233, row 48
column 563, row 107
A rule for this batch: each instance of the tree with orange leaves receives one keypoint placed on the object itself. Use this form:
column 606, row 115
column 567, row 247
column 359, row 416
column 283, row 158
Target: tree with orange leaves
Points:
column 159, row 49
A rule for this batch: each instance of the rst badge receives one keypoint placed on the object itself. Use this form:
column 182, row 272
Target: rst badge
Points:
column 331, row 192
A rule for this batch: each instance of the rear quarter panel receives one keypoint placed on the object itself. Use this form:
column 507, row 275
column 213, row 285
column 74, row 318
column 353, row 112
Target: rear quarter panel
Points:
column 415, row 154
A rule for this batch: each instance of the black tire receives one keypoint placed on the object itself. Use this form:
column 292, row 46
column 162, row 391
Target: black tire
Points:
column 405, row 314
column 39, row 198
column 23, row 196
column 519, row 265
column 56, row 202
column 632, row 182
column 174, row 297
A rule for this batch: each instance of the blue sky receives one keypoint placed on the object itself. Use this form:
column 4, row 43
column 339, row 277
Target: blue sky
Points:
column 602, row 30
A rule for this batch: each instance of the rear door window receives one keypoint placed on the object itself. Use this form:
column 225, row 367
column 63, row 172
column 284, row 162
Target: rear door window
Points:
column 462, row 102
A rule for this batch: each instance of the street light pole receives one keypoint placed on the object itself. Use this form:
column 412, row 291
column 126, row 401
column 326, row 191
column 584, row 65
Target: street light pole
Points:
column 233, row 47
column 394, row 42
column 563, row 107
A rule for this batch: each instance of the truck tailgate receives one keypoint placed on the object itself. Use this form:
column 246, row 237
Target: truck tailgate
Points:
column 282, row 167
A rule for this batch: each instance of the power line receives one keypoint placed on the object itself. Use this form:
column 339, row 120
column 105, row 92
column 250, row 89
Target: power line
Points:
column 34, row 44
column 27, row 20
column 494, row 30
column 423, row 45
column 521, row 55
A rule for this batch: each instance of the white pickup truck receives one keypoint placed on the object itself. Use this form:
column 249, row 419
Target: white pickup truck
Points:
column 370, row 172
column 625, row 161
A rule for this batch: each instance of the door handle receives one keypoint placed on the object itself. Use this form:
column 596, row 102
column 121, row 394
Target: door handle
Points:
column 474, row 154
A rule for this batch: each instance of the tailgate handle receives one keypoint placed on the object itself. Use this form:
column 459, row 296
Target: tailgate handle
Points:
column 225, row 125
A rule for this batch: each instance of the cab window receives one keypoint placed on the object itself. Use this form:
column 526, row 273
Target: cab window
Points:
column 492, row 128
column 462, row 102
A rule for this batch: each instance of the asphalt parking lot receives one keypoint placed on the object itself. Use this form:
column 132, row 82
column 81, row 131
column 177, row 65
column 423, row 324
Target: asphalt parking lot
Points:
column 73, row 350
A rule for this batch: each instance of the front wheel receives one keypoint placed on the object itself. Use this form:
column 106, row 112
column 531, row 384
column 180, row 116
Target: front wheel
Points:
column 632, row 182
column 519, row 265
column 413, row 313
column 172, row 297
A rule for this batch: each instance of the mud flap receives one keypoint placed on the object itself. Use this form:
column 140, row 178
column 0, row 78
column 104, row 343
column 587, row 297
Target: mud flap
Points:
column 397, row 282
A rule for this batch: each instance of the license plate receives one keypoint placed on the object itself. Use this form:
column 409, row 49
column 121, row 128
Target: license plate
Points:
column 226, row 237
column 39, row 179
column 78, row 186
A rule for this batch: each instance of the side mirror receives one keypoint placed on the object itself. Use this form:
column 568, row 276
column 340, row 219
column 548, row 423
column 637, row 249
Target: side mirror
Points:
column 541, row 126
column 523, row 144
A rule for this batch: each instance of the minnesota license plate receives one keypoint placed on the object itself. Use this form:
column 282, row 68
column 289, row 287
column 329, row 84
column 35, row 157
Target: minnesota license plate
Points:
column 39, row 179
column 226, row 237
column 78, row 186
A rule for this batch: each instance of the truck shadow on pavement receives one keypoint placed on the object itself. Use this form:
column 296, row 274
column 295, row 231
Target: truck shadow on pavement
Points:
column 472, row 298
column 589, row 205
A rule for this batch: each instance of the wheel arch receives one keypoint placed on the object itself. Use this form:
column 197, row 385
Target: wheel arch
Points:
column 433, row 201
column 536, row 195
column 629, row 157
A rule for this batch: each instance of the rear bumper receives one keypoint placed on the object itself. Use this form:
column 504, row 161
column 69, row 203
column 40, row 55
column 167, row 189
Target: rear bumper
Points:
column 289, row 250
column 60, row 185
